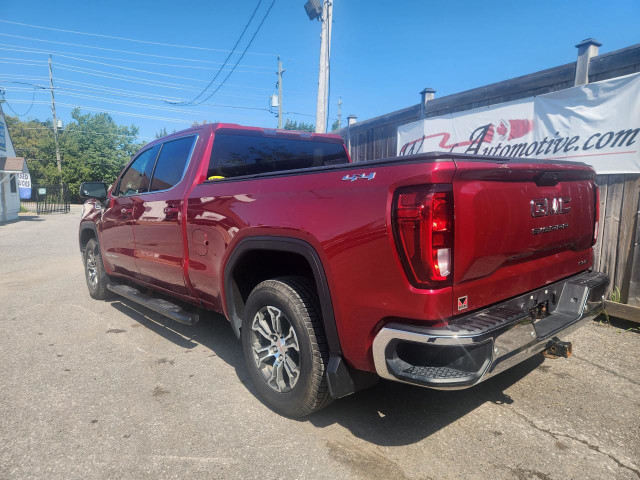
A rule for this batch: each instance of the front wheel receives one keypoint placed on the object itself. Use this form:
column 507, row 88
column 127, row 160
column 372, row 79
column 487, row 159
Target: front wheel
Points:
column 95, row 275
column 284, row 346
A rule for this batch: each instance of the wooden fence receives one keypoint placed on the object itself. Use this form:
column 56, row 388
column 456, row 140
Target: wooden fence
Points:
column 618, row 249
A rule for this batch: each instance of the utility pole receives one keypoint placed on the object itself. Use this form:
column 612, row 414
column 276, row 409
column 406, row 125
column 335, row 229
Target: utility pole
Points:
column 280, row 72
column 55, row 119
column 323, row 70
column 339, row 112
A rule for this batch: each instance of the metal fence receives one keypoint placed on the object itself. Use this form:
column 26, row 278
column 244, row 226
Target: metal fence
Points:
column 48, row 199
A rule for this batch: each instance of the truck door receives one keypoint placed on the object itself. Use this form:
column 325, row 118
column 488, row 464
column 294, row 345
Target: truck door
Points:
column 116, row 235
column 157, row 228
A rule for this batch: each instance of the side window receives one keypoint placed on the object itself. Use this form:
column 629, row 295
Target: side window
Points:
column 13, row 184
column 136, row 179
column 171, row 163
column 236, row 155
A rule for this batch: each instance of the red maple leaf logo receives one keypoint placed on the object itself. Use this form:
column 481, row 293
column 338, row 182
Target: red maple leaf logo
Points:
column 502, row 129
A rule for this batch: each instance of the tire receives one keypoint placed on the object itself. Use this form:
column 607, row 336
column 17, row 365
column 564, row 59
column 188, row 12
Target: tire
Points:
column 280, row 387
column 94, row 273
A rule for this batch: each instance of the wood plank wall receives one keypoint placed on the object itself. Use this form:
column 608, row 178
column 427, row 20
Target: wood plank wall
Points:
column 614, row 250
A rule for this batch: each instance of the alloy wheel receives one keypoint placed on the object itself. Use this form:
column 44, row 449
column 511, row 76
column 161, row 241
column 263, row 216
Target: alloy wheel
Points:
column 275, row 347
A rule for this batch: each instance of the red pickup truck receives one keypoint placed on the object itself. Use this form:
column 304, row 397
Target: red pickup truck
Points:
column 435, row 269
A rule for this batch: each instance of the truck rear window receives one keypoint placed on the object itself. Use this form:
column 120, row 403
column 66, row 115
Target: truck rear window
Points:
column 236, row 155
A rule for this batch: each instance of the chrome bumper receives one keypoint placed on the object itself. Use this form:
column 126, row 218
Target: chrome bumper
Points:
column 477, row 346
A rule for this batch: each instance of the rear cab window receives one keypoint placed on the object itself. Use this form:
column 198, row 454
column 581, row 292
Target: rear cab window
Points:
column 239, row 154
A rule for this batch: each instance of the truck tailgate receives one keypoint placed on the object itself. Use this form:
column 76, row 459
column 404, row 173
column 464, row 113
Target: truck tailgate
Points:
column 518, row 226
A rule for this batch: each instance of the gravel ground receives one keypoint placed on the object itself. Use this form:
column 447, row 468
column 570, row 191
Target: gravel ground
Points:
column 108, row 390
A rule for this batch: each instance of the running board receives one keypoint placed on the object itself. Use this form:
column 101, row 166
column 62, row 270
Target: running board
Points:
column 158, row 305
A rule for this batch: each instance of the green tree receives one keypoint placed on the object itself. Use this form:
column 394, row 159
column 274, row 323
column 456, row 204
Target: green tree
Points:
column 161, row 133
column 303, row 127
column 92, row 147
column 335, row 126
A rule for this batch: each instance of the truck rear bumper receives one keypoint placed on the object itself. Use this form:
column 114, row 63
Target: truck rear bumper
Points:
column 474, row 347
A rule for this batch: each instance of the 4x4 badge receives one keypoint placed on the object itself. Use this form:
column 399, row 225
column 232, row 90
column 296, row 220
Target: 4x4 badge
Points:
column 358, row 176
column 463, row 303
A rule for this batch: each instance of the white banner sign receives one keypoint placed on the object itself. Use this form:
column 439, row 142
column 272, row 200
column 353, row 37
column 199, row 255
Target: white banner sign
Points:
column 598, row 124
column 24, row 180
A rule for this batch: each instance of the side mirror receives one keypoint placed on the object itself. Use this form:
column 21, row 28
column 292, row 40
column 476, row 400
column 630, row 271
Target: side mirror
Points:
column 93, row 190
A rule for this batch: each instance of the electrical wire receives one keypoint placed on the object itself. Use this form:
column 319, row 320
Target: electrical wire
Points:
column 62, row 92
column 38, row 50
column 118, row 91
column 241, row 56
column 146, row 81
column 94, row 109
column 129, row 52
column 68, row 55
column 244, row 30
column 148, row 42
column 75, row 127
column 4, row 100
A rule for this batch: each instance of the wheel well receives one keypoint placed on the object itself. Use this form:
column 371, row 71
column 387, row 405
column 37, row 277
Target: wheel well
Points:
column 256, row 266
column 86, row 235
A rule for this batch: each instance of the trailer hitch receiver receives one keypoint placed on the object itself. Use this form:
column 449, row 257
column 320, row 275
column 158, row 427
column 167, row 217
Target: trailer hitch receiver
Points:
column 557, row 349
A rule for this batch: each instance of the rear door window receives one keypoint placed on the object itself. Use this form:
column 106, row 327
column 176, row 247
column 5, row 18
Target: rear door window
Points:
column 137, row 177
column 172, row 163
column 236, row 155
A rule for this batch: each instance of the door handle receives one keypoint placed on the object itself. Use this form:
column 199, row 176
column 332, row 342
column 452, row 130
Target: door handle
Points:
column 171, row 211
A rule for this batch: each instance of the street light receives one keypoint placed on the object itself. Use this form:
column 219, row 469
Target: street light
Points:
column 314, row 9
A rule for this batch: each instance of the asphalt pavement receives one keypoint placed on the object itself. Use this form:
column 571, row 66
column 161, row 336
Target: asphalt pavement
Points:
column 109, row 390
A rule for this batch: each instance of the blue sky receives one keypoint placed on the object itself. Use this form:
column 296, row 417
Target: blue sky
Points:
column 383, row 53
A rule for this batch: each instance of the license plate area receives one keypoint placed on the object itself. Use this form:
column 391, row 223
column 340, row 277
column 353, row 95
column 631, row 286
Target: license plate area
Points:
column 539, row 311
column 568, row 307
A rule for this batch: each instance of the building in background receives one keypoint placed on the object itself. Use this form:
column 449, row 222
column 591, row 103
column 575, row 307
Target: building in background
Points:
column 10, row 167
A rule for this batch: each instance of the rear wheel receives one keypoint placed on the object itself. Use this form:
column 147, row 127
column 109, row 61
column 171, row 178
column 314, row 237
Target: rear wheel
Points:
column 284, row 346
column 95, row 274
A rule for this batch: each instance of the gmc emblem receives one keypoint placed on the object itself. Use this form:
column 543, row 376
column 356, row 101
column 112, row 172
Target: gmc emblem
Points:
column 541, row 207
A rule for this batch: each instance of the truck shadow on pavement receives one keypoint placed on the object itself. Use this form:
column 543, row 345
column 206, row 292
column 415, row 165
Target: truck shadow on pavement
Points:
column 388, row 414
column 22, row 218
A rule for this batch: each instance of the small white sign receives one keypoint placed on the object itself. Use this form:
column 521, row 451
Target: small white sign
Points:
column 42, row 191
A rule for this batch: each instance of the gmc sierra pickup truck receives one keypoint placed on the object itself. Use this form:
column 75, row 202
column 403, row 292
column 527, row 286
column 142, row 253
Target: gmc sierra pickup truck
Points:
column 437, row 269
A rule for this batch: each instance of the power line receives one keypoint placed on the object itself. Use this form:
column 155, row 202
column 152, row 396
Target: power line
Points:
column 159, row 83
column 210, row 62
column 244, row 30
column 155, row 107
column 28, row 64
column 4, row 100
column 16, row 48
column 144, row 71
column 148, row 42
column 77, row 127
column 241, row 56
column 179, row 77
column 85, row 94
column 94, row 109
column 106, row 89
column 129, row 52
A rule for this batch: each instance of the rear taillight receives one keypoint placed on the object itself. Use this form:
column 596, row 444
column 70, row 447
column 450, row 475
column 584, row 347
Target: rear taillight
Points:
column 423, row 229
column 596, row 190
